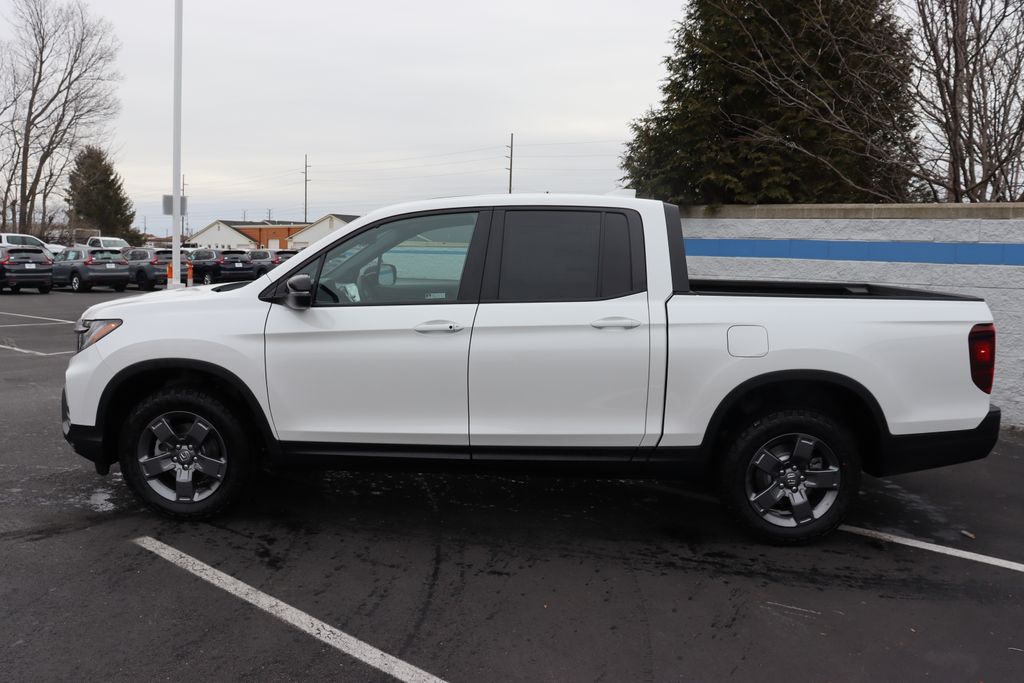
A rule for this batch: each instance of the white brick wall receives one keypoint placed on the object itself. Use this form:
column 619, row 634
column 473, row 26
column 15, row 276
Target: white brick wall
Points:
column 1001, row 286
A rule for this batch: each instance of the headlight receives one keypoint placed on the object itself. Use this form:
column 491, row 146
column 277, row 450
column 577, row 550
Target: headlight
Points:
column 91, row 331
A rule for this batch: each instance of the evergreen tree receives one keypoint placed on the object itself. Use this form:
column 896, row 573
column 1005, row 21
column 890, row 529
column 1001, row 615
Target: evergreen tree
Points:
column 96, row 197
column 778, row 101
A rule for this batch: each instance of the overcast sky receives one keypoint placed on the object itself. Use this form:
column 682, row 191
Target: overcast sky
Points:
column 392, row 100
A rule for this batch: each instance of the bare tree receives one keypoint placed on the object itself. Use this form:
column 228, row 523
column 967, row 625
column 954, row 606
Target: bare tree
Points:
column 966, row 78
column 970, row 65
column 63, row 77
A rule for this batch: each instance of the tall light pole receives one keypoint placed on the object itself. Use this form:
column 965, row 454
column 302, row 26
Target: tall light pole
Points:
column 175, row 280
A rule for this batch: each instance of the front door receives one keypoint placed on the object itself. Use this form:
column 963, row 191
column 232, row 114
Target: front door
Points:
column 381, row 356
column 561, row 343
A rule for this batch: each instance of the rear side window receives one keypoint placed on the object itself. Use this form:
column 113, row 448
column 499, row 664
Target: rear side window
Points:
column 259, row 255
column 568, row 256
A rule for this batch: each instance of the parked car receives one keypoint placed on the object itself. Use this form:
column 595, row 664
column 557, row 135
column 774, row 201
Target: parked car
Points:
column 82, row 269
column 15, row 239
column 265, row 260
column 147, row 267
column 592, row 351
column 221, row 265
column 107, row 243
column 25, row 267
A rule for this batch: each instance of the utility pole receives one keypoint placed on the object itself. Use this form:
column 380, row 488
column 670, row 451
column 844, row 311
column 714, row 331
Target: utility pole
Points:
column 184, row 216
column 511, row 151
column 305, row 188
column 174, row 282
column 244, row 212
column 270, row 212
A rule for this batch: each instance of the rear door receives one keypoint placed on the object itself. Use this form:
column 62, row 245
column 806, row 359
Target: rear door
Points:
column 561, row 342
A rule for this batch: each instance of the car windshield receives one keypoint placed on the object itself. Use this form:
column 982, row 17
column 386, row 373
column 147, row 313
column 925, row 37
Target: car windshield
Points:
column 113, row 242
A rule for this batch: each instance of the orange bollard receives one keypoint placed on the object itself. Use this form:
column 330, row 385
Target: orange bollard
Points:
column 189, row 282
column 168, row 272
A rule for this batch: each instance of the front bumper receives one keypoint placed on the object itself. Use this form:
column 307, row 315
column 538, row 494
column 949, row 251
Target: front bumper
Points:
column 916, row 452
column 86, row 441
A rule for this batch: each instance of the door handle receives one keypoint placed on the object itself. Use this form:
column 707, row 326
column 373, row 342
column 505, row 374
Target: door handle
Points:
column 615, row 321
column 438, row 326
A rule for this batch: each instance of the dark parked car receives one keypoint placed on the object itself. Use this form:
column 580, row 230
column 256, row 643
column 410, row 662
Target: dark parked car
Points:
column 147, row 267
column 264, row 260
column 84, row 268
column 221, row 265
column 25, row 267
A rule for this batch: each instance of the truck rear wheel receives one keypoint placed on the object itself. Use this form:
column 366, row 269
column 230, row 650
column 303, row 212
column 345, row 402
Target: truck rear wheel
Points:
column 184, row 453
column 790, row 475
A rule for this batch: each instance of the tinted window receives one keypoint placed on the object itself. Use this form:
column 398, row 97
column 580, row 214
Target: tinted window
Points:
column 259, row 255
column 616, row 269
column 106, row 255
column 565, row 256
column 34, row 255
column 550, row 256
column 415, row 260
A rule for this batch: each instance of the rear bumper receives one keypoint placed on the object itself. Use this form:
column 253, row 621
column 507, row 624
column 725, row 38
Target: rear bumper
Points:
column 915, row 452
column 101, row 278
column 33, row 280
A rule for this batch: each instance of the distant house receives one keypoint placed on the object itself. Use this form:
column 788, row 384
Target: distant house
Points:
column 320, row 228
column 222, row 234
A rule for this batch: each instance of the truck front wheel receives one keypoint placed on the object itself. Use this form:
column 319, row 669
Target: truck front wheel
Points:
column 184, row 453
column 790, row 475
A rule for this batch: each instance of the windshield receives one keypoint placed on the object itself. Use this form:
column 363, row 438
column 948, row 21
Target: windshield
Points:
column 106, row 255
column 113, row 242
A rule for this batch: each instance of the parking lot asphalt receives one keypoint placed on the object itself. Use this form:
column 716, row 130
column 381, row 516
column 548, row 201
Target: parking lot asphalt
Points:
column 483, row 578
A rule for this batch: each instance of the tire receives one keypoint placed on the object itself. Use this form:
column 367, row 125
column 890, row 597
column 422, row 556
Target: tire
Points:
column 15, row 289
column 218, row 465
column 77, row 285
column 766, row 476
column 260, row 273
column 44, row 289
column 144, row 284
column 120, row 288
column 207, row 279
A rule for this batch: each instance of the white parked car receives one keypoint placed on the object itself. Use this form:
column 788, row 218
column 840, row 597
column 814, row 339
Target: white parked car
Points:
column 532, row 332
column 107, row 243
column 16, row 239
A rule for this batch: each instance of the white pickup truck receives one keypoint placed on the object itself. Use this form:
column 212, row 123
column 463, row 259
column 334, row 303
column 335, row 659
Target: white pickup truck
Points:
column 539, row 332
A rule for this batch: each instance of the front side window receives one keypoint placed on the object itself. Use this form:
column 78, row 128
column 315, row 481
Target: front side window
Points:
column 416, row 260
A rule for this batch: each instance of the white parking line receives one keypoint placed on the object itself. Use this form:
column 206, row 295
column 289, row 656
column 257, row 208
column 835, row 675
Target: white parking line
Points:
column 34, row 353
column 935, row 548
column 288, row 614
column 38, row 317
column 34, row 324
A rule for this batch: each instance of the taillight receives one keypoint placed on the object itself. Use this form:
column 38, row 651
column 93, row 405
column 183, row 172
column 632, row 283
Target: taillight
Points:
column 47, row 262
column 155, row 262
column 981, row 344
column 276, row 260
column 220, row 260
column 88, row 261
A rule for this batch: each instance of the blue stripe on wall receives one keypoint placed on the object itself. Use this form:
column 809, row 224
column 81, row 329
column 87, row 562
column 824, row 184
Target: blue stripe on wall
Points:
column 993, row 254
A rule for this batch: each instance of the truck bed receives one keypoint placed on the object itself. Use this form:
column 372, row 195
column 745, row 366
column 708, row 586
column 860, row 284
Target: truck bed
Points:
column 798, row 289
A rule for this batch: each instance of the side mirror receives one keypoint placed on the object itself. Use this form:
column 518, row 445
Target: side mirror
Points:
column 300, row 292
column 387, row 275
